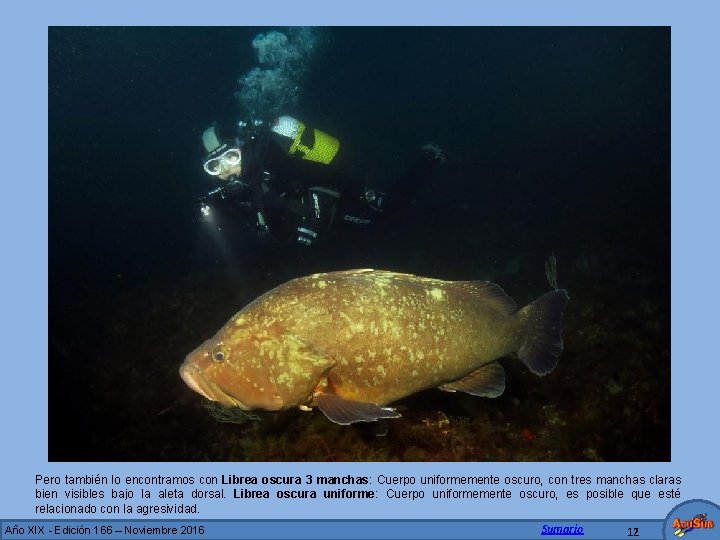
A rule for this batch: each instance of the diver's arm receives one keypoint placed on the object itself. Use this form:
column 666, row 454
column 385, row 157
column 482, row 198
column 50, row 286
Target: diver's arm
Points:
column 223, row 193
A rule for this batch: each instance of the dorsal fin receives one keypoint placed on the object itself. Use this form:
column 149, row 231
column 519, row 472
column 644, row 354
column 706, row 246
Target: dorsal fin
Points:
column 489, row 293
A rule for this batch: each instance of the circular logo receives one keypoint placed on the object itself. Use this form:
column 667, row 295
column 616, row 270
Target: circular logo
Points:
column 695, row 519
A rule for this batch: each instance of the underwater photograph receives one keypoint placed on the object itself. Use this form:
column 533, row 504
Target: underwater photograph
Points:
column 359, row 244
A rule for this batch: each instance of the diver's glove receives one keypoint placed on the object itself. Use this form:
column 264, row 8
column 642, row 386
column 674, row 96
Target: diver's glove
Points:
column 374, row 199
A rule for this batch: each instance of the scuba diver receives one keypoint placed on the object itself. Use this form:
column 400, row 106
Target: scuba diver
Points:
column 283, row 177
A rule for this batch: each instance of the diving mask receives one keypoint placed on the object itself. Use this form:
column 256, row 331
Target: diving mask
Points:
column 226, row 161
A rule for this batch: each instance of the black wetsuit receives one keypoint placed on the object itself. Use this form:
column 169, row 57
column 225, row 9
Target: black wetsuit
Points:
column 282, row 194
column 288, row 198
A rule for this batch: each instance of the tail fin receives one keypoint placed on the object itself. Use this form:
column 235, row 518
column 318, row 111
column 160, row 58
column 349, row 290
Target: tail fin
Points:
column 543, row 343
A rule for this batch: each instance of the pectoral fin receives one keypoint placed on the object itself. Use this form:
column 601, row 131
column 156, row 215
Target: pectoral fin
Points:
column 343, row 411
column 487, row 381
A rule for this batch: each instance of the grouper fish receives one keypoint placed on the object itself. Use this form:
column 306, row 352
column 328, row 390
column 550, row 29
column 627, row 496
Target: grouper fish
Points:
column 350, row 343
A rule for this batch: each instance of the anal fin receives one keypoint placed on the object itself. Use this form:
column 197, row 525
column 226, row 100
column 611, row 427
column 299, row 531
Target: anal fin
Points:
column 344, row 411
column 486, row 381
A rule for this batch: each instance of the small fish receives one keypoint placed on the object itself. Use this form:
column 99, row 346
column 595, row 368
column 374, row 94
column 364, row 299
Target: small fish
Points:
column 350, row 343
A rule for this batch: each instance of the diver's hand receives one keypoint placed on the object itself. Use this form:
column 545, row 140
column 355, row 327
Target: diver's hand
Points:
column 374, row 199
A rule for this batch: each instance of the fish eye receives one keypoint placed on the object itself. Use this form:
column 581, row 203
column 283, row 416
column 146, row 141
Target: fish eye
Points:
column 218, row 354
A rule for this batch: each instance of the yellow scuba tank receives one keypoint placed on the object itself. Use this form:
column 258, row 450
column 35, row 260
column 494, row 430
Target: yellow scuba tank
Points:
column 312, row 145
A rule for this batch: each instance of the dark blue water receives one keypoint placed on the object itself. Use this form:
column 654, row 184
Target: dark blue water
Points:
column 557, row 141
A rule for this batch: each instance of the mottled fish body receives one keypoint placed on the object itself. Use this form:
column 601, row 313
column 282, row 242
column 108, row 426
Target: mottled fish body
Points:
column 352, row 342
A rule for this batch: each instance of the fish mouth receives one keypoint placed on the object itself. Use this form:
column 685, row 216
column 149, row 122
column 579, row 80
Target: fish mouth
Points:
column 195, row 379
